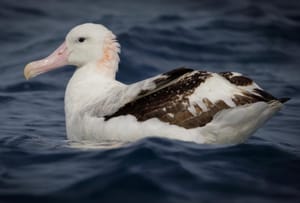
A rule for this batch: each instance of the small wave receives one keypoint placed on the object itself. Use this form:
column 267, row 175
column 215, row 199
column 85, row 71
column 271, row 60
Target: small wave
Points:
column 28, row 86
column 5, row 99
column 21, row 10
column 168, row 19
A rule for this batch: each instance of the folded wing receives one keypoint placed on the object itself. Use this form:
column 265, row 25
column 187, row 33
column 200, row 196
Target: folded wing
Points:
column 190, row 98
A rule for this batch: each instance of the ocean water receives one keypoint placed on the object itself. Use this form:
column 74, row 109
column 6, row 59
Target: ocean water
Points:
column 260, row 39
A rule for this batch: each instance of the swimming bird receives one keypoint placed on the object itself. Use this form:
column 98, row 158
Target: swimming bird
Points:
column 185, row 104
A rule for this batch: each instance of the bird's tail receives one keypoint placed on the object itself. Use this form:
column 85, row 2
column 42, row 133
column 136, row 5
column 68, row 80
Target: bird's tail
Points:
column 283, row 100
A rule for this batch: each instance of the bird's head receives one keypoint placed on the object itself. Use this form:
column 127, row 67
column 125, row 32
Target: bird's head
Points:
column 84, row 44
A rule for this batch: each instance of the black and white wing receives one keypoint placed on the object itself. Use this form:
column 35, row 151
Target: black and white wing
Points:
column 190, row 98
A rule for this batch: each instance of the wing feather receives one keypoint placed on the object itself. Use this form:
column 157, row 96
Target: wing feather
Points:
column 169, row 98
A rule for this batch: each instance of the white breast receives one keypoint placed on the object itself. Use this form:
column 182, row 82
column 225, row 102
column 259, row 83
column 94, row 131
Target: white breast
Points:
column 86, row 88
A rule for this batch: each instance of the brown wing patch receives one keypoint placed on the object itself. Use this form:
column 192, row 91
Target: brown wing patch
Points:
column 171, row 100
column 255, row 95
column 167, row 78
column 170, row 104
column 248, row 97
column 202, row 118
column 237, row 80
column 265, row 95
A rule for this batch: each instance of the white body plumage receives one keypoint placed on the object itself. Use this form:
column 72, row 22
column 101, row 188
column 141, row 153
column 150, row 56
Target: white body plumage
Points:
column 183, row 104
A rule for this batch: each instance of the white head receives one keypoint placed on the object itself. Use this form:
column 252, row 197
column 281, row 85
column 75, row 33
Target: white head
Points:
column 85, row 44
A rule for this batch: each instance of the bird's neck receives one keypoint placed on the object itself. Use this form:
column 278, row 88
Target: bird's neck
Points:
column 88, row 86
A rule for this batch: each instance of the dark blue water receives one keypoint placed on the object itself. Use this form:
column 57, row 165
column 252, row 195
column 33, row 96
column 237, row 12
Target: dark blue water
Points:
column 258, row 38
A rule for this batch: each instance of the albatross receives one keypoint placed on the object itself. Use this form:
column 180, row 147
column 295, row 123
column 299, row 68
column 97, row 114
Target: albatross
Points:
column 185, row 104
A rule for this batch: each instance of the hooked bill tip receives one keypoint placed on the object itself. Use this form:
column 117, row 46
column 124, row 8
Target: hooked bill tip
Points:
column 27, row 72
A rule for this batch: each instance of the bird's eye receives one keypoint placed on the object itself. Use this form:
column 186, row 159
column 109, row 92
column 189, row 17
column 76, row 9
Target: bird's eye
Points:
column 81, row 39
